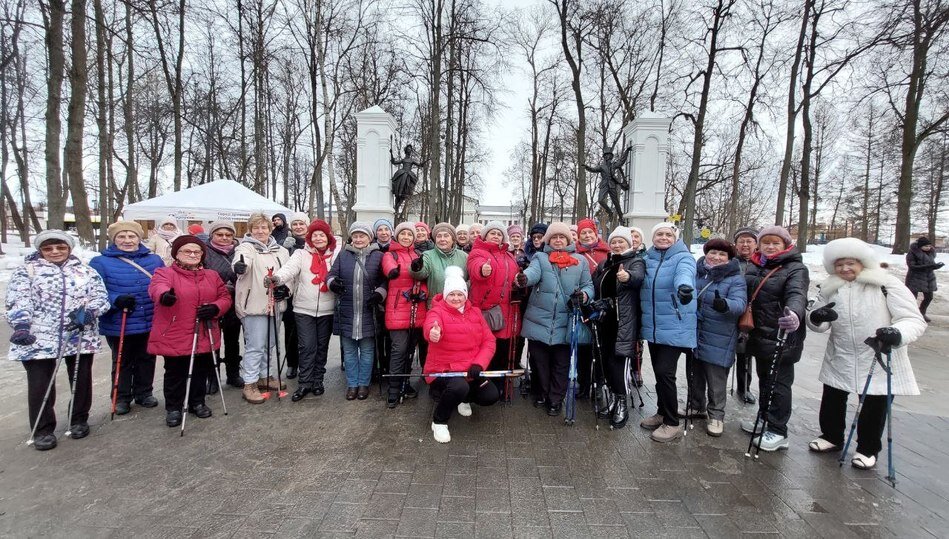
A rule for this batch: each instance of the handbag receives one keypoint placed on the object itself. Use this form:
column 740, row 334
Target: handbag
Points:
column 494, row 317
column 746, row 322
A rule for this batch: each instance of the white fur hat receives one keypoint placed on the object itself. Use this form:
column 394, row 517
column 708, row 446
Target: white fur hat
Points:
column 454, row 281
column 849, row 248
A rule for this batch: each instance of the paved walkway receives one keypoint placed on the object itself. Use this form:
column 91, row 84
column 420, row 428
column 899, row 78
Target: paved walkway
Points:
column 325, row 467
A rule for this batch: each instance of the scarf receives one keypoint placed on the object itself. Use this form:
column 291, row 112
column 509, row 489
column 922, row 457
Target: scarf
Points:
column 226, row 249
column 188, row 267
column 318, row 267
column 168, row 235
column 562, row 259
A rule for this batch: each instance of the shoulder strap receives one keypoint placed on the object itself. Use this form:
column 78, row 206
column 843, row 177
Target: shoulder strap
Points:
column 758, row 288
column 704, row 288
column 132, row 263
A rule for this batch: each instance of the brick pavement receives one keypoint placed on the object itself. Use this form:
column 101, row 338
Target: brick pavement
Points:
column 325, row 467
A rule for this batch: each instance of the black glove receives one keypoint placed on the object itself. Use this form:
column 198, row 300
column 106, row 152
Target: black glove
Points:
column 520, row 280
column 240, row 267
column 939, row 265
column 22, row 336
column 889, row 336
column 208, row 311
column 337, row 286
column 394, row 272
column 719, row 304
column 417, row 264
column 125, row 302
column 685, row 294
column 78, row 319
column 824, row 314
column 375, row 298
column 576, row 299
column 281, row 293
column 474, row 371
column 168, row 298
column 523, row 262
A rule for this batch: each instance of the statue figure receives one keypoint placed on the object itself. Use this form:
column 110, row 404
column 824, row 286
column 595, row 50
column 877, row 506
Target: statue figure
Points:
column 611, row 178
column 404, row 179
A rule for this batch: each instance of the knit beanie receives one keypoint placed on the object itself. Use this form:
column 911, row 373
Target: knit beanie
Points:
column 745, row 231
column 360, row 226
column 558, row 227
column 379, row 222
column 495, row 225
column 299, row 216
column 195, row 229
column 444, row 227
column 181, row 241
column 462, row 228
column 125, row 226
column 217, row 225
column 621, row 232
column 775, row 230
column 515, row 229
column 587, row 223
column 720, row 244
column 637, row 230
column 539, row 228
column 454, row 281
column 923, row 241
column 324, row 227
column 659, row 226
column 53, row 234
column 403, row 226
column 423, row 225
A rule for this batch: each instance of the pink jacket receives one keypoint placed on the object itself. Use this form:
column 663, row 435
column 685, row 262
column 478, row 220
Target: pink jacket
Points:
column 173, row 327
column 466, row 338
column 398, row 307
column 486, row 292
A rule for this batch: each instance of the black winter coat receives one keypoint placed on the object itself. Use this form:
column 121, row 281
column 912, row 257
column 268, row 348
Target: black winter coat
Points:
column 787, row 287
column 221, row 263
column 354, row 317
column 921, row 270
column 619, row 328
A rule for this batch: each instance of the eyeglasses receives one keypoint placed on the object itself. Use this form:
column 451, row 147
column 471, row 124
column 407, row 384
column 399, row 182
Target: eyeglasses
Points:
column 191, row 252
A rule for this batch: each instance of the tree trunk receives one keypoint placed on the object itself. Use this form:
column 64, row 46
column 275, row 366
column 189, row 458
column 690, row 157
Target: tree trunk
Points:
column 105, row 136
column 78, row 84
column 791, row 116
column 53, row 23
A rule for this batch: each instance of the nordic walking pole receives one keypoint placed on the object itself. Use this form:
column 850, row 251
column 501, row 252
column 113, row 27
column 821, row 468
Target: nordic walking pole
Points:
column 689, row 376
column 863, row 398
column 118, row 362
column 194, row 349
column 512, row 351
column 214, row 358
column 762, row 417
column 49, row 389
column 270, row 311
column 890, row 468
column 276, row 342
column 570, row 402
column 75, row 373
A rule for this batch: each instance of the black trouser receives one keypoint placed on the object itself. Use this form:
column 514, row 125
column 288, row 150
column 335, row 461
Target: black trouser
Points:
column 603, row 368
column 742, row 373
column 536, row 391
column 422, row 352
column 137, row 372
column 833, row 420
column 403, row 343
column 176, row 379
column 616, row 368
column 584, row 364
column 232, row 348
column 455, row 391
column 779, row 403
column 501, row 360
column 927, row 299
column 290, row 337
column 552, row 364
column 665, row 360
column 39, row 372
column 314, row 341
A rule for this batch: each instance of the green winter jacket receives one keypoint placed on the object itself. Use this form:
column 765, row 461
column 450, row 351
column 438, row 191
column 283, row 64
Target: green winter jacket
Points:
column 434, row 263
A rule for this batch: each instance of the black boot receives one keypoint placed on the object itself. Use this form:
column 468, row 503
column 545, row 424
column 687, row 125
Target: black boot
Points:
column 291, row 373
column 604, row 401
column 620, row 413
column 213, row 387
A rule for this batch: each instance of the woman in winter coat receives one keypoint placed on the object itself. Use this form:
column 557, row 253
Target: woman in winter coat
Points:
column 188, row 299
column 779, row 308
column 382, row 233
column 299, row 222
column 668, row 322
column 257, row 254
column 746, row 243
column 219, row 257
column 561, row 283
column 52, row 303
column 636, row 366
column 515, row 235
column 721, row 299
column 430, row 267
column 616, row 315
column 126, row 267
column 356, row 278
column 492, row 268
column 307, row 273
column 422, row 240
column 160, row 242
column 594, row 250
column 405, row 310
column 921, row 272
column 861, row 302
column 460, row 341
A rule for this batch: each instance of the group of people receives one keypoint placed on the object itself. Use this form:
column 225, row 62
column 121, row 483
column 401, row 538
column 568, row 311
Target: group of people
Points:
column 463, row 300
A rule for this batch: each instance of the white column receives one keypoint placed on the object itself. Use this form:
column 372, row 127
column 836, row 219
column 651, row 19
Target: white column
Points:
column 374, row 130
column 648, row 135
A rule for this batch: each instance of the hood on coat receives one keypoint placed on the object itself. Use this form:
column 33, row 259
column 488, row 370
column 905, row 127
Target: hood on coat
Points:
column 872, row 276
column 568, row 249
column 362, row 252
column 271, row 247
column 717, row 273
column 600, row 245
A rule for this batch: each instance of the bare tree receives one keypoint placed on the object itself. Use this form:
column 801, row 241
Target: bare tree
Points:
column 78, row 89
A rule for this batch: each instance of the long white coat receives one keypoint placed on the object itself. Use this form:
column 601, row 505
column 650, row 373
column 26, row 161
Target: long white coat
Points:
column 862, row 308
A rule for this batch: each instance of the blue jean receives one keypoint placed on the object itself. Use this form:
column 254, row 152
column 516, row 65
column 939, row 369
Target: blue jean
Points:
column 358, row 356
column 256, row 347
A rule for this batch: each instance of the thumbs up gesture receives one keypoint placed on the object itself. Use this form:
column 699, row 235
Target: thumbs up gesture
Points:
column 621, row 274
column 240, row 267
column 486, row 270
column 435, row 334
column 168, row 298
column 719, row 303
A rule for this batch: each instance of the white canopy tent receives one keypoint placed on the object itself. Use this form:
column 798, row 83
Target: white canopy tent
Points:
column 221, row 200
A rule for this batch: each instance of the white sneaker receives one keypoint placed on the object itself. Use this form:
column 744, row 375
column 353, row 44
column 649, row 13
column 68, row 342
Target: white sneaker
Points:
column 748, row 425
column 464, row 409
column 863, row 462
column 715, row 427
column 441, row 433
column 772, row 442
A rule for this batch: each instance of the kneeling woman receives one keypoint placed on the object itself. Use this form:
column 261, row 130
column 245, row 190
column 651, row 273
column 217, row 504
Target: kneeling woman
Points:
column 460, row 341
column 188, row 299
column 860, row 300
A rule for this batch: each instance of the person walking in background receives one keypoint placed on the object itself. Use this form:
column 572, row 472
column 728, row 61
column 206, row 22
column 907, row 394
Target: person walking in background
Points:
column 279, row 230
column 921, row 269
column 746, row 243
column 219, row 257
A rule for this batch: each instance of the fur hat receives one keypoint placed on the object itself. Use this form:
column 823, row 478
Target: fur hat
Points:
column 217, row 225
column 379, row 222
column 587, row 223
column 515, row 229
column 322, row 226
column 299, row 216
column 125, row 226
column 403, row 226
column 181, row 241
column 454, row 281
column 360, row 226
column 720, row 244
column 659, row 226
column 621, row 232
column 558, row 227
column 495, row 225
column 538, row 228
column 444, row 227
column 745, row 231
column 775, row 230
column 423, row 225
column 923, row 241
column 849, row 248
column 53, row 234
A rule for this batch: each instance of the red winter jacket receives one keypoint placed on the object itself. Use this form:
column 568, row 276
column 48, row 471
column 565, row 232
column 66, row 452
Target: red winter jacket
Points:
column 486, row 292
column 173, row 327
column 595, row 255
column 466, row 338
column 398, row 308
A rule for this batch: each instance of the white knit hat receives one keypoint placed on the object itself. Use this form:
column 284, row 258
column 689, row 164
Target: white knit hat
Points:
column 495, row 225
column 53, row 234
column 622, row 232
column 454, row 281
column 299, row 216
column 849, row 248
column 659, row 226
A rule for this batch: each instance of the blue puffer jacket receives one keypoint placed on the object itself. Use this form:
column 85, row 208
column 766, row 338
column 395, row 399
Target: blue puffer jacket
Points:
column 123, row 278
column 718, row 332
column 360, row 271
column 665, row 320
column 547, row 318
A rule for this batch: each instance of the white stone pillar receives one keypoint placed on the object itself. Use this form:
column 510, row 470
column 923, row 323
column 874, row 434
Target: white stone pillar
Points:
column 648, row 135
column 374, row 130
